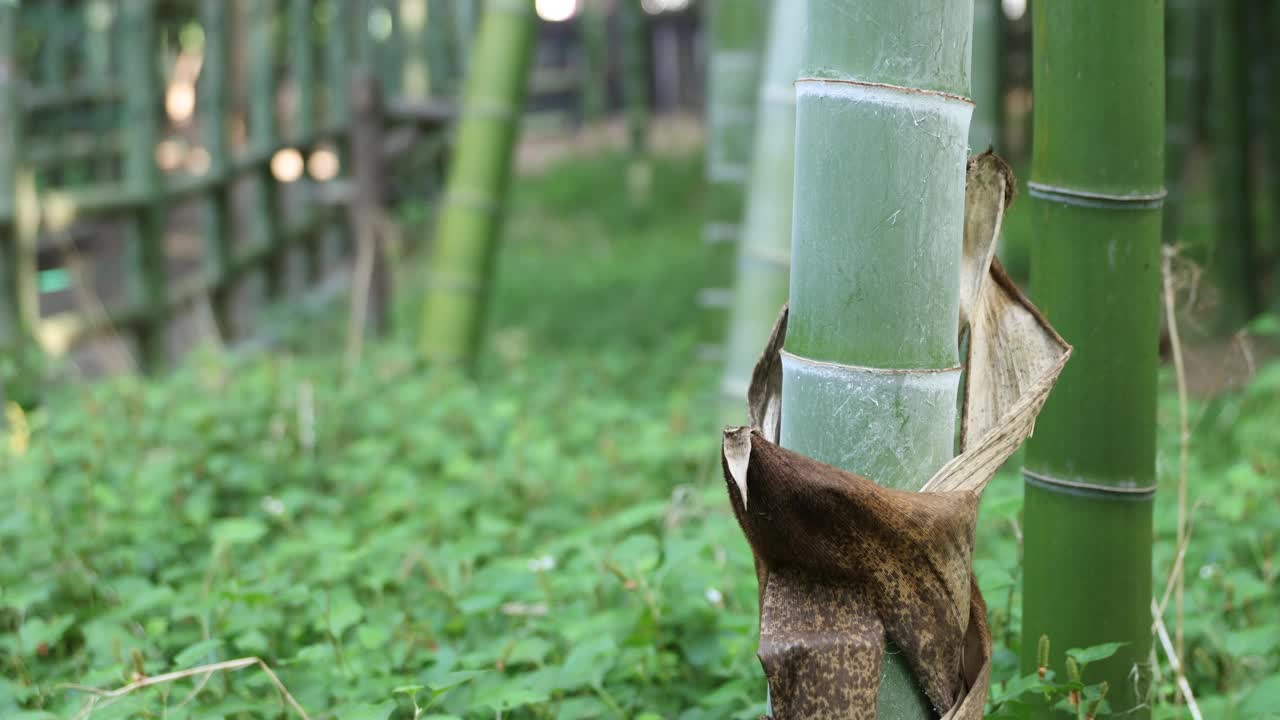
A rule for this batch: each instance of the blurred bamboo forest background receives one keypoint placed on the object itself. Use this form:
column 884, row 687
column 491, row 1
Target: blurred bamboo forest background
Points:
column 368, row 356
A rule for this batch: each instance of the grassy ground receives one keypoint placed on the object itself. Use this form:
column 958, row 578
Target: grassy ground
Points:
column 550, row 541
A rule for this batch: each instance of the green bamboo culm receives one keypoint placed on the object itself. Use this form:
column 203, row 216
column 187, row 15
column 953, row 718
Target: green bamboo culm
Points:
column 870, row 367
column 737, row 30
column 985, row 128
column 415, row 69
column 1096, row 190
column 19, row 310
column 1233, row 260
column 764, row 252
column 594, row 33
column 142, row 178
column 1181, row 35
column 635, row 92
column 469, row 225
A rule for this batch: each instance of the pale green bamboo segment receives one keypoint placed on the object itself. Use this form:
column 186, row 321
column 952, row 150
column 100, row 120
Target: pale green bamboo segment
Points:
column 870, row 374
column 263, row 139
column 146, row 237
column 213, row 97
column 733, row 73
column 764, row 261
column 18, row 309
column 985, row 79
column 415, row 70
column 469, row 225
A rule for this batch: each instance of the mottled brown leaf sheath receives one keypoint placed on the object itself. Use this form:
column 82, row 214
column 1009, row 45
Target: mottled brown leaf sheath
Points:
column 844, row 562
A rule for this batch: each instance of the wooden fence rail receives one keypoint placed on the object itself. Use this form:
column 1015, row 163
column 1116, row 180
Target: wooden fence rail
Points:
column 97, row 97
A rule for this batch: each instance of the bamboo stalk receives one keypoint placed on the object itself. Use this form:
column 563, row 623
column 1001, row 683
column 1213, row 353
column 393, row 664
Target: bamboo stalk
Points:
column 984, row 131
column 146, row 235
column 870, row 369
column 337, row 59
column 264, row 138
column 214, row 98
column 764, row 254
column 415, row 74
column 593, row 27
column 302, row 49
column 635, row 91
column 19, row 307
column 1181, row 37
column 733, row 76
column 441, row 46
column 1233, row 258
column 1096, row 193
column 469, row 224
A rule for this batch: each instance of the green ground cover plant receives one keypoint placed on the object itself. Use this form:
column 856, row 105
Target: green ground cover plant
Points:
column 548, row 539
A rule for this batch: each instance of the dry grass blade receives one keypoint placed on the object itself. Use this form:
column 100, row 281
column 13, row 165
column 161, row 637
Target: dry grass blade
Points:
column 1184, row 437
column 228, row 665
column 1174, row 663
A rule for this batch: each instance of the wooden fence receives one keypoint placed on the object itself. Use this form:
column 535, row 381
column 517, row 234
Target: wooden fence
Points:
column 128, row 128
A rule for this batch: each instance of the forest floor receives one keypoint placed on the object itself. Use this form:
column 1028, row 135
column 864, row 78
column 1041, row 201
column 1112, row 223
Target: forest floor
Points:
column 548, row 539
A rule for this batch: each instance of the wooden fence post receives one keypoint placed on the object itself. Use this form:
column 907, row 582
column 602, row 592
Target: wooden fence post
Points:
column 146, row 237
column 367, row 199
column 18, row 301
column 212, row 103
column 263, row 138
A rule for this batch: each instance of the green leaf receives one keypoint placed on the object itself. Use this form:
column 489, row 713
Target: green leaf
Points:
column 369, row 711
column 587, row 664
column 200, row 653
column 344, row 611
column 37, row 633
column 1084, row 656
column 238, row 531
column 1263, row 701
column 510, row 696
column 448, row 682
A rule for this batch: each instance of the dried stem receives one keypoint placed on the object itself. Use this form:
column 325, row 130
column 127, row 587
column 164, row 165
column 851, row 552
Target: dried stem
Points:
column 1184, row 440
column 230, row 665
